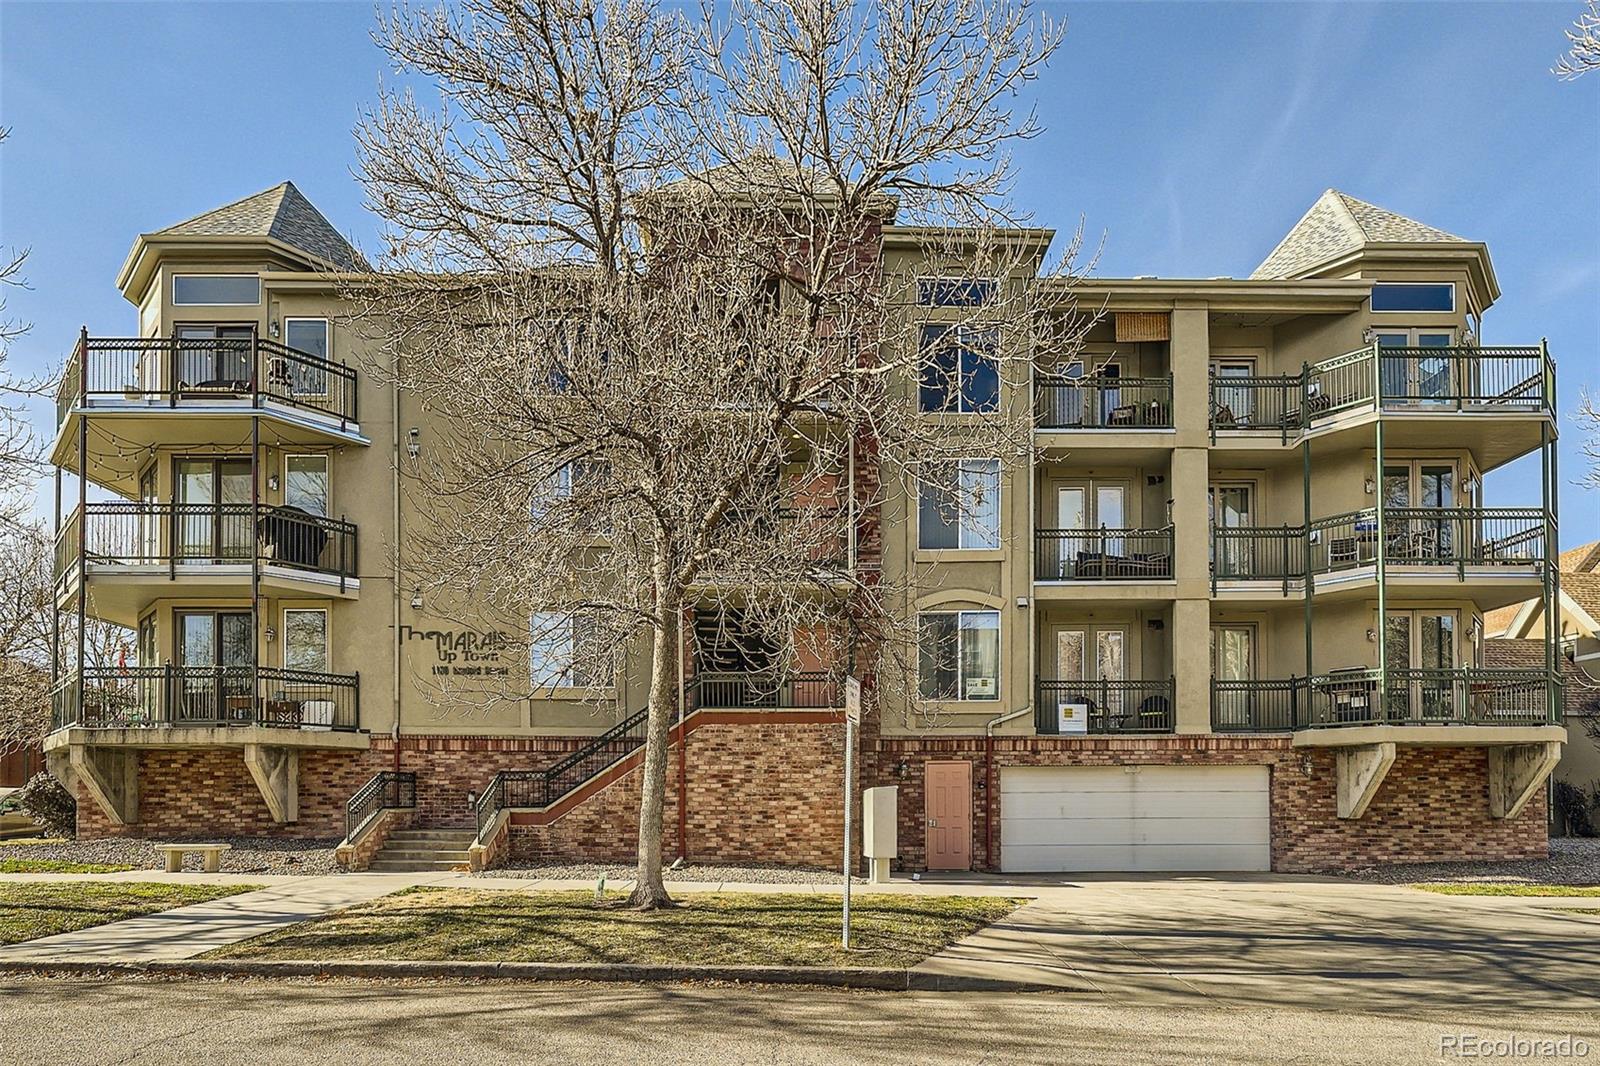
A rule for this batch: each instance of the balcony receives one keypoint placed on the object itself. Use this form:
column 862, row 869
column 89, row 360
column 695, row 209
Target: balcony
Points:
column 1485, row 542
column 758, row 690
column 131, row 543
column 1109, row 403
column 1516, row 381
column 1100, row 708
column 170, row 697
column 1071, row 555
column 1468, row 696
column 155, row 375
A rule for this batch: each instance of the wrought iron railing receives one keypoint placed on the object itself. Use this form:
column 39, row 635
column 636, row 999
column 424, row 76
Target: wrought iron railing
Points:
column 1499, row 379
column 1368, row 696
column 538, row 789
column 755, row 689
column 1102, row 402
column 1412, row 536
column 1103, row 554
column 149, row 697
column 105, row 371
column 1104, row 707
column 391, row 790
column 127, row 533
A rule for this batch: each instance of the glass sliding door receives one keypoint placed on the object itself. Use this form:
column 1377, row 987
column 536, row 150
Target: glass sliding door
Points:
column 215, row 660
column 214, row 358
column 1230, row 507
column 214, row 521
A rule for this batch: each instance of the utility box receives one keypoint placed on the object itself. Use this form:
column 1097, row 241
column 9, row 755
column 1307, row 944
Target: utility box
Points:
column 880, row 837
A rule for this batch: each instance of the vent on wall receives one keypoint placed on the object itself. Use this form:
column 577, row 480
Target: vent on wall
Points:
column 1135, row 326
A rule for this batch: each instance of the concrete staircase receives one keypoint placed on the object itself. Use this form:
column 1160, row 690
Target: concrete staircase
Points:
column 422, row 850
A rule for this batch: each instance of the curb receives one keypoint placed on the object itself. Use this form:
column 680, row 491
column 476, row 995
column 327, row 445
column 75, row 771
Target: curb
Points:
column 882, row 979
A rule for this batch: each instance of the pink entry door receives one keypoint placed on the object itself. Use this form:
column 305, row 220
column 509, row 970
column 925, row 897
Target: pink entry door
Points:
column 949, row 815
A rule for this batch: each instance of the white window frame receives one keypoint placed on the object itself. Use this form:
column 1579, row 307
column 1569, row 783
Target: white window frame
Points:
column 961, row 331
column 327, row 472
column 961, row 279
column 960, row 616
column 184, row 303
column 545, row 683
column 327, row 325
column 327, row 638
column 1416, row 285
column 961, row 525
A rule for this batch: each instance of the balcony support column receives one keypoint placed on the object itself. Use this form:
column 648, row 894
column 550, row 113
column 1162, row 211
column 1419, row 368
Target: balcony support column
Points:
column 1516, row 772
column 276, row 772
column 1305, row 546
column 111, row 777
column 255, row 562
column 1191, row 646
column 83, row 541
column 1360, row 771
column 1382, row 551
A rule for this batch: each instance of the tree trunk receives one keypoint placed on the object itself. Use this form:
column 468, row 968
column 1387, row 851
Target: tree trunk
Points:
column 649, row 891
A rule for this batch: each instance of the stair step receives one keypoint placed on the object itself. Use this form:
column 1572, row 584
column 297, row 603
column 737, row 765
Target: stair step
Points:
column 423, row 854
column 389, row 866
column 433, row 834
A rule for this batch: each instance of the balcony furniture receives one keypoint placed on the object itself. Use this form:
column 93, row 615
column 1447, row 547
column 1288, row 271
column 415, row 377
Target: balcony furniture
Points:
column 1350, row 698
column 292, row 535
column 212, row 854
column 1109, row 565
column 1154, row 713
column 1519, row 547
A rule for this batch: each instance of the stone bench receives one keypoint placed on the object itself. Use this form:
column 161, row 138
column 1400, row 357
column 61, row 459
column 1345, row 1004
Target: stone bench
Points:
column 175, row 852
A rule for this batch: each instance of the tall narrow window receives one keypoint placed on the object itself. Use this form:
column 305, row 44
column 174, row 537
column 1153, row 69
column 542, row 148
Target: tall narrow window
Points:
column 305, row 483
column 567, row 651
column 309, row 336
column 959, row 506
column 305, row 640
column 959, row 369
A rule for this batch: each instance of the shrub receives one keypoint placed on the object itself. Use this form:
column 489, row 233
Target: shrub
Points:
column 47, row 802
column 1575, row 806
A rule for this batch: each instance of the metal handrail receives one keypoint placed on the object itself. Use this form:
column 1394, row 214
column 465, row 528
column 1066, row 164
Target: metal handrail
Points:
column 1102, row 402
column 1103, row 554
column 1141, row 706
column 387, row 790
column 1474, row 696
column 538, row 789
column 168, row 696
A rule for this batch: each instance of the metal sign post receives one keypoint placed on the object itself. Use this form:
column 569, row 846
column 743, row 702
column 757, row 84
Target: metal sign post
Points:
column 852, row 718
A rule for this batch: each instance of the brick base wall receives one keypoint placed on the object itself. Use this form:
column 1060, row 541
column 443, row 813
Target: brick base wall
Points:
column 1433, row 806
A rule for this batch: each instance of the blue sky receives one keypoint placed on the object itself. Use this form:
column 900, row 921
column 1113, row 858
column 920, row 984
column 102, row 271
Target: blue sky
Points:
column 1191, row 135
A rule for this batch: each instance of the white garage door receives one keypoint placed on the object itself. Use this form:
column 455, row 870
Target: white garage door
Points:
column 1055, row 818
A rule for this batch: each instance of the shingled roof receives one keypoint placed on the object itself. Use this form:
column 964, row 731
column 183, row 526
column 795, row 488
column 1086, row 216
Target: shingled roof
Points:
column 281, row 212
column 1337, row 225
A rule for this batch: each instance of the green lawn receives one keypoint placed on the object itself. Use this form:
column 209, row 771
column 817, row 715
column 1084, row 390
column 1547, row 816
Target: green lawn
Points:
column 32, row 910
column 58, row 866
column 426, row 924
column 1479, row 888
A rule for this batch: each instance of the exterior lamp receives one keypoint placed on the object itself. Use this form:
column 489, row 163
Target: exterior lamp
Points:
column 413, row 443
column 416, row 599
column 271, row 634
column 1372, row 636
column 1368, row 485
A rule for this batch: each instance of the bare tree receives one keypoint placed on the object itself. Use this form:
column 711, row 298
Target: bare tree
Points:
column 1583, row 39
column 1588, row 417
column 18, row 448
column 638, row 262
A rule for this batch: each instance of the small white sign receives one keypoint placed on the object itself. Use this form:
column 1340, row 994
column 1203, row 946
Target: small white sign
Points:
column 852, row 700
column 1072, row 717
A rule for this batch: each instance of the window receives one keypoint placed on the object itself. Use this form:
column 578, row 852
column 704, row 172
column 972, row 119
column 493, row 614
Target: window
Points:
column 959, row 506
column 960, row 655
column 305, row 483
column 213, row 358
column 955, row 292
column 1409, row 296
column 567, row 651
column 959, row 372
column 309, row 335
column 305, row 640
column 216, row 290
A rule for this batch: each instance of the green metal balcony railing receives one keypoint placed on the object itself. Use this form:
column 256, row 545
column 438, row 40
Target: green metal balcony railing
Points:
column 1104, row 706
column 158, row 697
column 1497, row 380
column 1456, row 537
column 1103, row 554
column 1102, row 402
column 1474, row 696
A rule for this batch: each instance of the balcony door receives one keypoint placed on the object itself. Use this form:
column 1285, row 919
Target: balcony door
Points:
column 1235, row 403
column 149, row 517
column 1086, row 656
column 1422, row 484
column 1419, row 655
column 1232, row 506
column 214, row 358
column 214, row 521
column 1082, row 511
column 1233, row 658
column 1415, row 376
column 215, row 656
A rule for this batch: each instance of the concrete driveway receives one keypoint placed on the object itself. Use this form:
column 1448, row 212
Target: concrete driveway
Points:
column 1288, row 942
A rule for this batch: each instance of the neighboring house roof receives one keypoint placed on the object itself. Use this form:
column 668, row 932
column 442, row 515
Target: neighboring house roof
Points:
column 1584, row 559
column 1582, row 692
column 1338, row 225
column 1498, row 621
column 281, row 212
column 1584, row 591
column 1580, row 594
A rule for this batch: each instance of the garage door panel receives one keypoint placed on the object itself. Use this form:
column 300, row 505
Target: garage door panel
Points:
column 1056, row 818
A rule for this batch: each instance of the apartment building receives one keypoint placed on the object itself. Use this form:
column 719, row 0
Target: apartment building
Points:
column 1228, row 616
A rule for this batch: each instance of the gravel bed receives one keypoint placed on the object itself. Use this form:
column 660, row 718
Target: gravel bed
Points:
column 253, row 855
column 1572, row 861
column 593, row 871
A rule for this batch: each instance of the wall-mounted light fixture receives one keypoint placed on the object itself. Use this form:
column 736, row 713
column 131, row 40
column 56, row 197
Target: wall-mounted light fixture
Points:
column 1372, row 636
column 271, row 634
column 413, row 442
column 1306, row 765
column 1369, row 335
column 902, row 770
column 1368, row 485
column 416, row 599
column 272, row 327
column 272, row 482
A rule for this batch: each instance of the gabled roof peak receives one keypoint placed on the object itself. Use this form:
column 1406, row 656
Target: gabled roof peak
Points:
column 282, row 213
column 1338, row 224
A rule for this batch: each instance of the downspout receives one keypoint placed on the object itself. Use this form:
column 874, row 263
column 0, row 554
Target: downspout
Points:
column 394, row 732
column 988, row 780
column 683, row 754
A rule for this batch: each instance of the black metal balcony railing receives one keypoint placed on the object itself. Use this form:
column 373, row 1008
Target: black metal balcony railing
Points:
column 1103, row 554
column 748, row 690
column 147, row 697
column 1103, row 402
column 1110, row 706
column 123, row 533
column 1502, row 380
column 1412, row 536
column 1461, row 696
column 387, row 790
column 540, row 788
column 178, row 371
